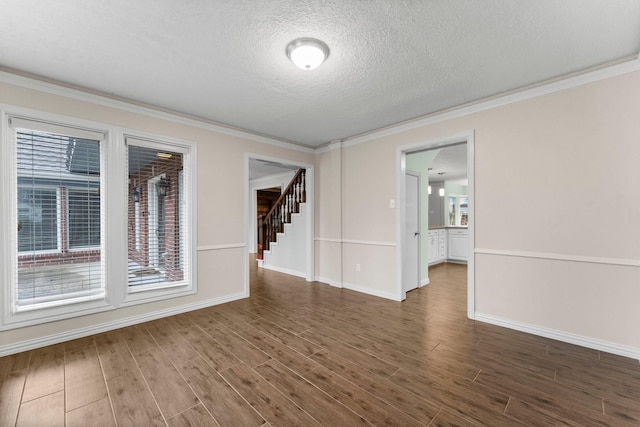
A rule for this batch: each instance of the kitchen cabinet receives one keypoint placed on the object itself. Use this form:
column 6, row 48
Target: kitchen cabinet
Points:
column 432, row 246
column 448, row 244
column 458, row 244
column 442, row 245
column 437, row 246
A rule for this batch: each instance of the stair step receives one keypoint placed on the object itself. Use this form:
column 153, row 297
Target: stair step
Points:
column 290, row 224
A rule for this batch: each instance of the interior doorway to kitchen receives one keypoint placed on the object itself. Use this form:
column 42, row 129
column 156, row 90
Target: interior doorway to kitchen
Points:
column 446, row 233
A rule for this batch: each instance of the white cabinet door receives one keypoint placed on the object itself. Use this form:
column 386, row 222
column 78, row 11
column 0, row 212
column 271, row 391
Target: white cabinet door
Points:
column 458, row 245
column 442, row 245
column 432, row 249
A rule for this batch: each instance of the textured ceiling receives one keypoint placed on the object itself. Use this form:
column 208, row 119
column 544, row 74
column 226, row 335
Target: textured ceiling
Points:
column 390, row 61
column 452, row 163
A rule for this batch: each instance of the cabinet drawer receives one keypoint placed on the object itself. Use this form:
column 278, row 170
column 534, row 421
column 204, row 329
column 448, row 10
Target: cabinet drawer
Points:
column 458, row 232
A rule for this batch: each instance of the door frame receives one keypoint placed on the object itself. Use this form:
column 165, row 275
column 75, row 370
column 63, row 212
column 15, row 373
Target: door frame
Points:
column 310, row 221
column 463, row 137
column 419, row 189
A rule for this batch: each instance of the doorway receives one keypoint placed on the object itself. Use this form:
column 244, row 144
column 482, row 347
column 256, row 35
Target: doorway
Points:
column 463, row 141
column 264, row 173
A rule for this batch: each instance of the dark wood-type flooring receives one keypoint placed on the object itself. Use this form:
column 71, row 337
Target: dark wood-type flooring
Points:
column 300, row 354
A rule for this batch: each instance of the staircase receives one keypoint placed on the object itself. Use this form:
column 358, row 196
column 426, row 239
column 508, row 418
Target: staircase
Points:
column 279, row 237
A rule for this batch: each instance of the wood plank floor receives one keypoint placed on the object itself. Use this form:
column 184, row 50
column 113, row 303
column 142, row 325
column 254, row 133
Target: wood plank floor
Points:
column 299, row 354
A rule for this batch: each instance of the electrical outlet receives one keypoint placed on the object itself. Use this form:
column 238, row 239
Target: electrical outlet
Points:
column 392, row 203
column 357, row 267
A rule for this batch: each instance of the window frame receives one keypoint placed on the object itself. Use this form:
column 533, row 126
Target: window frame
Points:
column 188, row 285
column 14, row 314
column 113, row 201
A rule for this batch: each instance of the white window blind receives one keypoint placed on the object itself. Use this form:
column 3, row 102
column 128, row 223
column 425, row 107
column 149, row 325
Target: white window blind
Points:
column 84, row 218
column 156, row 219
column 59, row 256
column 38, row 219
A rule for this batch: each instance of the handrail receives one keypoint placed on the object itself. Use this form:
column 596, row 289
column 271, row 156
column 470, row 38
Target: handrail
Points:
column 284, row 193
column 280, row 213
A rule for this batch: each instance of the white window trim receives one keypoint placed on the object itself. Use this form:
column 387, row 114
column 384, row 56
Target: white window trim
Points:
column 152, row 219
column 181, row 211
column 14, row 316
column 136, row 213
column 187, row 286
column 114, row 202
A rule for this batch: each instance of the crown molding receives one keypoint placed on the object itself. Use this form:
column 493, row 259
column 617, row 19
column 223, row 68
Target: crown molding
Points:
column 457, row 112
column 334, row 145
column 105, row 101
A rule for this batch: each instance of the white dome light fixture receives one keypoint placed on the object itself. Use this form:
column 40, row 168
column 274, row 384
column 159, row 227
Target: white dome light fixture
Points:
column 307, row 53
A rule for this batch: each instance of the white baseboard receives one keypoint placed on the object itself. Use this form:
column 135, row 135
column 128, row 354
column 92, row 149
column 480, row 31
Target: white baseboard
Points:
column 330, row 282
column 6, row 350
column 368, row 291
column 567, row 337
column 285, row 271
column 425, row 282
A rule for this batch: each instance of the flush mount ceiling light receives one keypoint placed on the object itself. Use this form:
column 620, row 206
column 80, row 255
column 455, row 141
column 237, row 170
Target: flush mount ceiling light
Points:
column 307, row 53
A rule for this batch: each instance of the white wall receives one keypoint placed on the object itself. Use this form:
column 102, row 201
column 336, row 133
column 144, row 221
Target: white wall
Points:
column 328, row 243
column 368, row 221
column 453, row 189
column 557, row 215
column 289, row 253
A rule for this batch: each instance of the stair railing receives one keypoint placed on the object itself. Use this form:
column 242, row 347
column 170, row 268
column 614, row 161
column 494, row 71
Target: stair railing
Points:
column 280, row 214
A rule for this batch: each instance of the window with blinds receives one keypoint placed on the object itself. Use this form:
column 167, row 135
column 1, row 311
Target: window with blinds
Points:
column 156, row 220
column 63, row 252
column 58, row 233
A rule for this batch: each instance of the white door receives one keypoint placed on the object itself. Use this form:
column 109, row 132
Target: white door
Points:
column 411, row 257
